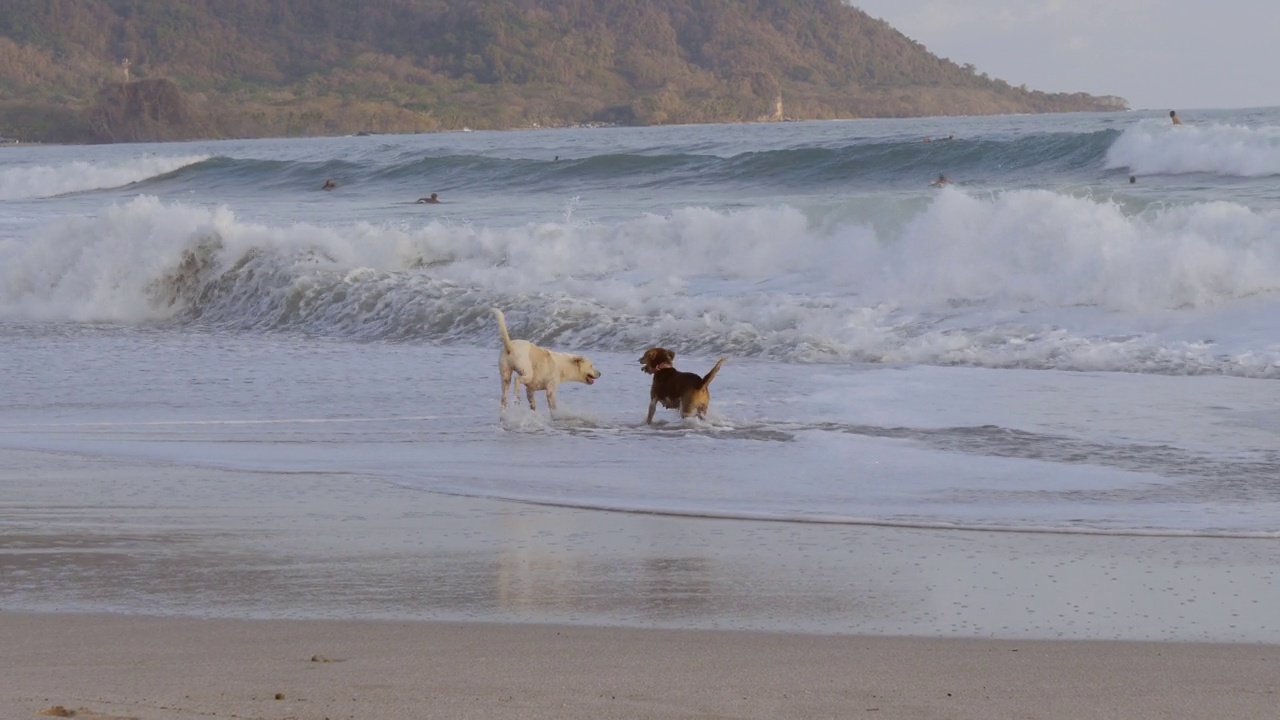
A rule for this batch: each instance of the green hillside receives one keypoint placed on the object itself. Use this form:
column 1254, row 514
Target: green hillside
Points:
column 247, row 68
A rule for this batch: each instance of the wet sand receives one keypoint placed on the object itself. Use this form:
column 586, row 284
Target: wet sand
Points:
column 138, row 590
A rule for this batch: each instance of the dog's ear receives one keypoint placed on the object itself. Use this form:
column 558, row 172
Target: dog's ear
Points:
column 668, row 355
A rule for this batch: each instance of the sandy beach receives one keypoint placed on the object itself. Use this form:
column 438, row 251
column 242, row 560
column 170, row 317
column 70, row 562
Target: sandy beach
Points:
column 136, row 590
column 127, row 667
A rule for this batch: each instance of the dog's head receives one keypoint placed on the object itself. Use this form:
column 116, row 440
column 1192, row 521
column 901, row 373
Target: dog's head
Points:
column 655, row 359
column 586, row 369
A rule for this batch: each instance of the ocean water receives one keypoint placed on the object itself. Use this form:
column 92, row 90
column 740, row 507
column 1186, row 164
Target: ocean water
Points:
column 1041, row 346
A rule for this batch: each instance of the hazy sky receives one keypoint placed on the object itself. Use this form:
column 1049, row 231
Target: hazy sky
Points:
column 1154, row 53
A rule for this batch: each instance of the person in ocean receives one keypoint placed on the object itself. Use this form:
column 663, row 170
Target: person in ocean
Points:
column 433, row 200
column 1173, row 115
column 329, row 184
column 941, row 181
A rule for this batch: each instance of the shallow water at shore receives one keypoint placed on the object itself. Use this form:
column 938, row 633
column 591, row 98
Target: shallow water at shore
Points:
column 86, row 535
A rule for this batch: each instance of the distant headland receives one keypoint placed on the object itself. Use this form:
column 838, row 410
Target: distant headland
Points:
column 89, row 71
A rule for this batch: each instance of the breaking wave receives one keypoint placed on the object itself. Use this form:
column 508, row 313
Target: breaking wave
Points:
column 41, row 181
column 1027, row 279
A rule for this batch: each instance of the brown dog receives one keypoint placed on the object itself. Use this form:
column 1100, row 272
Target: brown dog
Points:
column 673, row 388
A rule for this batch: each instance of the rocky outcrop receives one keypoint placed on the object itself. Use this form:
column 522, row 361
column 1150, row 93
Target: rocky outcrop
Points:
column 145, row 111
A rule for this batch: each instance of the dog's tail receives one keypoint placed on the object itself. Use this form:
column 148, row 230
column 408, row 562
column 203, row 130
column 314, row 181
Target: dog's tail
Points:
column 711, row 375
column 502, row 329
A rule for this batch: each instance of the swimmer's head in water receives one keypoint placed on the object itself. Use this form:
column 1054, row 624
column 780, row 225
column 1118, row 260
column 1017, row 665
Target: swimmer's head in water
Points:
column 1173, row 113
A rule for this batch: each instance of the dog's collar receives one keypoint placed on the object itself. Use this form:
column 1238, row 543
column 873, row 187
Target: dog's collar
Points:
column 660, row 366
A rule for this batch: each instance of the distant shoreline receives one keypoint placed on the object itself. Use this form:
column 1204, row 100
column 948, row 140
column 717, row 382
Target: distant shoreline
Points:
column 517, row 128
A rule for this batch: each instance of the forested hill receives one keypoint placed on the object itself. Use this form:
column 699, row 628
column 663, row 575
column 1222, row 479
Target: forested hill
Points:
column 301, row 67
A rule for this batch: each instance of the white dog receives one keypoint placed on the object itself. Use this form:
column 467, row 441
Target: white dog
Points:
column 538, row 368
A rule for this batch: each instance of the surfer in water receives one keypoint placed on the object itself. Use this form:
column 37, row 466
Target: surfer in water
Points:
column 941, row 181
column 433, row 200
column 329, row 185
column 1173, row 115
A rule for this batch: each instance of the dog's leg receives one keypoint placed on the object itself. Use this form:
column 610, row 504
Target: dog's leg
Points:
column 528, row 392
column 551, row 398
column 653, row 405
column 506, row 380
column 698, row 408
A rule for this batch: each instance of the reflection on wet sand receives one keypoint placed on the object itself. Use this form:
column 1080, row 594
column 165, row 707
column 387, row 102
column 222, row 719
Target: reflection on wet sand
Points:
column 239, row 544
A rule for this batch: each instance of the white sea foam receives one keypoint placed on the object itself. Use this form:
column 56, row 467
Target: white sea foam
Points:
column 1153, row 148
column 40, row 181
column 1018, row 279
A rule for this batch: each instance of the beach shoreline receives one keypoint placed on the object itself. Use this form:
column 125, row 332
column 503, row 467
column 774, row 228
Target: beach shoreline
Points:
column 146, row 590
column 128, row 536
